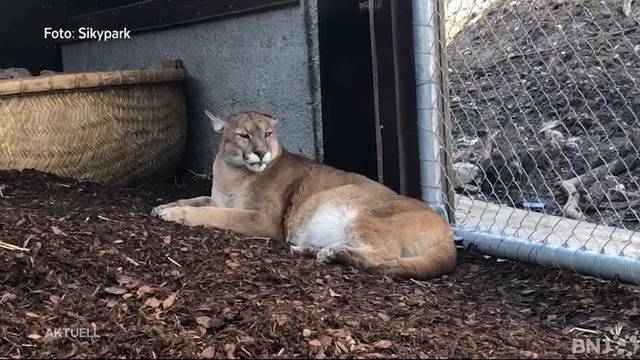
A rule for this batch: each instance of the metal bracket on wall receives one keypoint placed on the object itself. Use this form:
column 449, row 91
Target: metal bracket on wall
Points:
column 172, row 64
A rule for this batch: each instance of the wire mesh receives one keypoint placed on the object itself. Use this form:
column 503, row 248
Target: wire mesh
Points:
column 544, row 105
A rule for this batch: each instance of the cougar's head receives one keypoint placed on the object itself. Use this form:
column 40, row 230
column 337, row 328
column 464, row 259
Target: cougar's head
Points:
column 248, row 139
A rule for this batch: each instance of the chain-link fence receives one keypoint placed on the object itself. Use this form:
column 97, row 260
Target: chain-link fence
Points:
column 542, row 108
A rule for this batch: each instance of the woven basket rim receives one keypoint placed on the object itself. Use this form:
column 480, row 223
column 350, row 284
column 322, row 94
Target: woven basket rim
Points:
column 86, row 80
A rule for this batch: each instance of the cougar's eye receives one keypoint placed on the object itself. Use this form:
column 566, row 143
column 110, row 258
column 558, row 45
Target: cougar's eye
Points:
column 244, row 136
column 268, row 133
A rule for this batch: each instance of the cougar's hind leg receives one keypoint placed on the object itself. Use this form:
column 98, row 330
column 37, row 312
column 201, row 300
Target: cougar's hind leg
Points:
column 363, row 256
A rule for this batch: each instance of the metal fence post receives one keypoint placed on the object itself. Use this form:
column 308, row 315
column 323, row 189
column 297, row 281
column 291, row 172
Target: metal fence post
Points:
column 429, row 105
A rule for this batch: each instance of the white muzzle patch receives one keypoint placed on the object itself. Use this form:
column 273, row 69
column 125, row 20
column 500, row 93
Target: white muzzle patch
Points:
column 255, row 164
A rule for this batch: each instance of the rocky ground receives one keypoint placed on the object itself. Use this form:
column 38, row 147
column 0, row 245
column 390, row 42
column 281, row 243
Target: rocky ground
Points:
column 559, row 80
column 102, row 278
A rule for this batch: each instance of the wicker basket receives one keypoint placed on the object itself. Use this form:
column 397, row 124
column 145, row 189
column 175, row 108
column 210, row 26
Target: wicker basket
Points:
column 111, row 127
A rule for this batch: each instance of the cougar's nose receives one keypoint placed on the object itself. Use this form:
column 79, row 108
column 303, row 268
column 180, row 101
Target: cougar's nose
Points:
column 260, row 153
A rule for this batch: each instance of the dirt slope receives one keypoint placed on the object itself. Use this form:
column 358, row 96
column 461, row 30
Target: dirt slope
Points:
column 524, row 64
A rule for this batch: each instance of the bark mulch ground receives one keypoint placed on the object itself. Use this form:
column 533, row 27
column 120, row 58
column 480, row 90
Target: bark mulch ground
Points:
column 103, row 278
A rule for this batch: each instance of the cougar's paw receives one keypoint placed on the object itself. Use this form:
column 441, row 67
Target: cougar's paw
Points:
column 173, row 214
column 323, row 256
column 332, row 254
column 156, row 210
column 303, row 251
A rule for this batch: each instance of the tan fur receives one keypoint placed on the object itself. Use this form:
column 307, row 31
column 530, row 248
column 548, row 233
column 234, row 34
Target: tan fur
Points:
column 291, row 198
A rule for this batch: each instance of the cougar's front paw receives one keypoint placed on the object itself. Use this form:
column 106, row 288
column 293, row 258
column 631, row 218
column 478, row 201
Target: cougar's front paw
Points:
column 156, row 210
column 173, row 214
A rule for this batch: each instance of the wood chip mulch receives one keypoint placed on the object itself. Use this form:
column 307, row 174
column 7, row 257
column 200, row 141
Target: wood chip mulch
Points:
column 102, row 278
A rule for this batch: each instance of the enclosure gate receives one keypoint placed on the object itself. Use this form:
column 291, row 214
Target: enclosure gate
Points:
column 529, row 131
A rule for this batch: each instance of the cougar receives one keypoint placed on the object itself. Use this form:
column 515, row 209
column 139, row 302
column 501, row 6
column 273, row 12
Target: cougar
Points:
column 261, row 190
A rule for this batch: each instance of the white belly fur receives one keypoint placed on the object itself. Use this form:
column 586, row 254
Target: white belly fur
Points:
column 326, row 228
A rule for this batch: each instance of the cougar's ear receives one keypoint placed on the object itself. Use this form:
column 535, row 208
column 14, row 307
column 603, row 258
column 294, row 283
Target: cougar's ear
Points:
column 218, row 124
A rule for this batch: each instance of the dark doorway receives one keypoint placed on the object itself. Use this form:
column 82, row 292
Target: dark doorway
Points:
column 347, row 87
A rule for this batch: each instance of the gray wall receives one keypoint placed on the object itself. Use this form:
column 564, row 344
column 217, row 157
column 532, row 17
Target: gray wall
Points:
column 265, row 61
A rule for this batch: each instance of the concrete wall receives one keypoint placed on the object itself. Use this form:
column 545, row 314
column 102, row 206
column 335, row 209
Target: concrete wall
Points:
column 265, row 61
